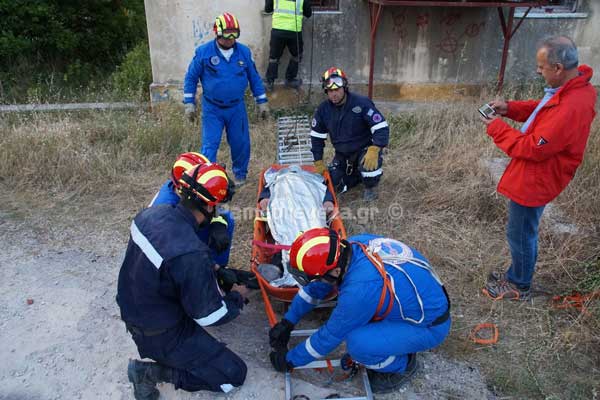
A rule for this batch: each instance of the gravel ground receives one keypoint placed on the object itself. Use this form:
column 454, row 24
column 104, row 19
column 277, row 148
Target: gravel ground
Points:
column 61, row 336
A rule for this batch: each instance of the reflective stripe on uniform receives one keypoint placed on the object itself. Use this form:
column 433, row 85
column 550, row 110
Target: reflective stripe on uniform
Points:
column 318, row 134
column 188, row 95
column 262, row 96
column 371, row 174
column 226, row 387
column 144, row 244
column 153, row 199
column 307, row 297
column 311, row 350
column 382, row 364
column 213, row 317
column 380, row 125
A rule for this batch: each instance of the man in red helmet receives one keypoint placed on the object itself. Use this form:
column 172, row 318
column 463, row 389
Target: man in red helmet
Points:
column 224, row 67
column 358, row 133
column 390, row 305
column 218, row 235
column 168, row 293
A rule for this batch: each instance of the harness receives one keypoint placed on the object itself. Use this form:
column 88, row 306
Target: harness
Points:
column 372, row 252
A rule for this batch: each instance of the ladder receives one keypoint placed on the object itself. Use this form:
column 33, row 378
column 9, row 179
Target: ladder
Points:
column 293, row 140
column 289, row 395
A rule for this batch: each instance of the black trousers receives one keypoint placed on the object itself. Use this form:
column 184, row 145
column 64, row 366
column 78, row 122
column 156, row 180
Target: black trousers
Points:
column 347, row 170
column 198, row 360
column 281, row 39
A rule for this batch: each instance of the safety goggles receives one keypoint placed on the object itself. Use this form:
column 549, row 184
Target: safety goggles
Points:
column 230, row 34
column 335, row 82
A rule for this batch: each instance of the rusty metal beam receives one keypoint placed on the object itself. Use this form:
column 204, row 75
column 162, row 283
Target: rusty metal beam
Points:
column 376, row 7
column 484, row 4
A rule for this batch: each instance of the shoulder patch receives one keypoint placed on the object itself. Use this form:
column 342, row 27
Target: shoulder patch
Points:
column 314, row 122
column 377, row 118
column 214, row 60
column 357, row 110
column 370, row 112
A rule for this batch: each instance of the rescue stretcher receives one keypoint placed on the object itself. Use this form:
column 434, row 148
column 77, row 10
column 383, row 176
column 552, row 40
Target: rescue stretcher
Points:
column 264, row 246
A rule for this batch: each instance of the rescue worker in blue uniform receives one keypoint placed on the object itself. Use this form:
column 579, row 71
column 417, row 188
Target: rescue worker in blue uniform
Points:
column 357, row 131
column 219, row 234
column 168, row 292
column 390, row 305
column 224, row 68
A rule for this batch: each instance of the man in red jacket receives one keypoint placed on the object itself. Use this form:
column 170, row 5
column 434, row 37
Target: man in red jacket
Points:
column 545, row 154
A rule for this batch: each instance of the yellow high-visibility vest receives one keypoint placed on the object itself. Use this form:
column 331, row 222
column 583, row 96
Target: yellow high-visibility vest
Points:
column 287, row 15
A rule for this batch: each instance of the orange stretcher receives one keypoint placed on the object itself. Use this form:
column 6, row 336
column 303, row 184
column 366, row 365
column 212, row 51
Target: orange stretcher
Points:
column 264, row 247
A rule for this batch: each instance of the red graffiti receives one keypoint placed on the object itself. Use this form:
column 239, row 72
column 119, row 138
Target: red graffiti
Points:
column 422, row 20
column 450, row 19
column 473, row 30
column 449, row 44
column 399, row 19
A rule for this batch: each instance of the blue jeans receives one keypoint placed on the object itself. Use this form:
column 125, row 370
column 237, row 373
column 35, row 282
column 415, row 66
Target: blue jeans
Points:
column 522, row 235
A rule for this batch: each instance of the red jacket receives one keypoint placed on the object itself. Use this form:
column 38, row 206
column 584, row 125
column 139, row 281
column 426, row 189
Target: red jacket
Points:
column 544, row 159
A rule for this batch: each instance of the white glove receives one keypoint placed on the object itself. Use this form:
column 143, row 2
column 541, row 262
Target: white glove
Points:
column 190, row 112
column 263, row 110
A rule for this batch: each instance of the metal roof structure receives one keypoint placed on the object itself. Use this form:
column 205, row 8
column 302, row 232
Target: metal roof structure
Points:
column 506, row 21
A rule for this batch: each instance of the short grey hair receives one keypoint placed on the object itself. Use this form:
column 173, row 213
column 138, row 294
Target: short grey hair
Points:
column 561, row 50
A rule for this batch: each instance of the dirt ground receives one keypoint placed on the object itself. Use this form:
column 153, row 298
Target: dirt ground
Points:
column 70, row 343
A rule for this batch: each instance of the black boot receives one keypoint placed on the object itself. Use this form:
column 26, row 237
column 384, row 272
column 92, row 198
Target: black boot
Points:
column 387, row 382
column 145, row 376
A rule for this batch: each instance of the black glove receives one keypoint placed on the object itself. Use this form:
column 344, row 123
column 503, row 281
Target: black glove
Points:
column 226, row 278
column 279, row 335
column 246, row 278
column 279, row 361
column 218, row 238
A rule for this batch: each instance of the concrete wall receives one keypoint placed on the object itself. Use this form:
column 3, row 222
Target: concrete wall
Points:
column 420, row 50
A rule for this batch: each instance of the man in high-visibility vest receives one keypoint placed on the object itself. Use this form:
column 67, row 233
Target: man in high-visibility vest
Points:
column 286, row 32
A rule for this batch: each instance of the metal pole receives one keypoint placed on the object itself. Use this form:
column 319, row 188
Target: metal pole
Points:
column 375, row 13
column 507, row 33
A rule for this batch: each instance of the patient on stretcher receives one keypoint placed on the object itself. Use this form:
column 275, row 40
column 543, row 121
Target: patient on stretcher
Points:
column 294, row 200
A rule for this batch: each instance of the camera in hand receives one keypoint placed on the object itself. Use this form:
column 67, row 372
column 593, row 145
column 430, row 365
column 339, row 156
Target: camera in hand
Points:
column 487, row 111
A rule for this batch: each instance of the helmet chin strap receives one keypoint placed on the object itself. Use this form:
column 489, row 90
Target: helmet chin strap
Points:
column 208, row 216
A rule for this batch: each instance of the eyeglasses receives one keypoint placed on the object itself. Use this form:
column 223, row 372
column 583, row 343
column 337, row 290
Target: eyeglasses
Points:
column 230, row 34
column 335, row 82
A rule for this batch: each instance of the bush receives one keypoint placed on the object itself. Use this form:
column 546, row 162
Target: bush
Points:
column 133, row 77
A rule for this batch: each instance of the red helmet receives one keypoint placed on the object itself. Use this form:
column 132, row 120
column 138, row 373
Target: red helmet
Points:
column 334, row 78
column 207, row 183
column 227, row 26
column 185, row 162
column 316, row 251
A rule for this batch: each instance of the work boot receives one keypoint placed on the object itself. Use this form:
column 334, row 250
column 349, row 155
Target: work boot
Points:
column 499, row 288
column 239, row 182
column 269, row 85
column 145, row 376
column 370, row 194
column 293, row 83
column 387, row 382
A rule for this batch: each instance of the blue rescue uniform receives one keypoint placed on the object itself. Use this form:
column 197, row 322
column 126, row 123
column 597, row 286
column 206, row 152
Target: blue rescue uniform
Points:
column 224, row 86
column 167, row 195
column 352, row 128
column 168, row 292
column 384, row 345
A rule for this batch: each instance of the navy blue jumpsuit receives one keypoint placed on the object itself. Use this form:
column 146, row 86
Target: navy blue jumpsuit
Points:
column 352, row 128
column 168, row 292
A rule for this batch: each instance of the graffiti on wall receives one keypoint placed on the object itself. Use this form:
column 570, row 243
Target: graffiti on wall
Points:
column 201, row 31
column 455, row 34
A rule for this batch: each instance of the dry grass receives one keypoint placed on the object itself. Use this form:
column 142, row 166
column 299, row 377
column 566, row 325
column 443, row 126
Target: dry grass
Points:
column 94, row 171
